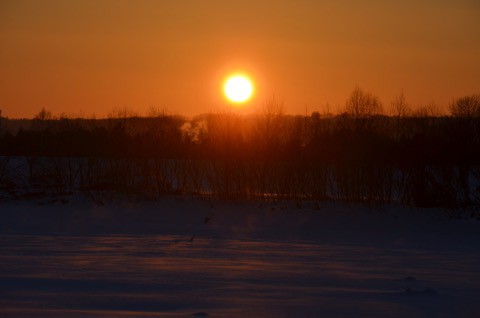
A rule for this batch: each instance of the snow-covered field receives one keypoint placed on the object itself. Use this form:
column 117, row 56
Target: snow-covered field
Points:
column 194, row 257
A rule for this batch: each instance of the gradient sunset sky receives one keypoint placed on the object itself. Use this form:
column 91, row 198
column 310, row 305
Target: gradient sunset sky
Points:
column 92, row 56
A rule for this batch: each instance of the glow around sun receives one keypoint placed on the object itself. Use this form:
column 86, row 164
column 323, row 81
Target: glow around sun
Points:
column 238, row 88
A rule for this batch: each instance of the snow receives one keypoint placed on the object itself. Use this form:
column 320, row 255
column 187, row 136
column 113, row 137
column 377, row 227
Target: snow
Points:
column 194, row 257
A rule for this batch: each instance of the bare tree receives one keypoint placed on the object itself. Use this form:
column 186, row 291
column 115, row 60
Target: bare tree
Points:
column 466, row 107
column 270, row 122
column 429, row 110
column 363, row 107
column 400, row 107
column 43, row 114
column 466, row 110
column 155, row 112
column 400, row 110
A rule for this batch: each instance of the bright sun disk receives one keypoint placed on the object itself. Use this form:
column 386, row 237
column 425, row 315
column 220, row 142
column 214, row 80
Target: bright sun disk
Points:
column 238, row 88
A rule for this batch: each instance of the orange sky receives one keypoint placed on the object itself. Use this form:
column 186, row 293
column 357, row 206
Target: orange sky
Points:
column 86, row 56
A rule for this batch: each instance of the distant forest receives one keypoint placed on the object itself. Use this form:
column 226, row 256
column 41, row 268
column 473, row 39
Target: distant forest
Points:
column 361, row 155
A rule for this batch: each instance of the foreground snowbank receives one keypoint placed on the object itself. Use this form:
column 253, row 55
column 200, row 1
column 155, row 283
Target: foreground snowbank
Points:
column 194, row 257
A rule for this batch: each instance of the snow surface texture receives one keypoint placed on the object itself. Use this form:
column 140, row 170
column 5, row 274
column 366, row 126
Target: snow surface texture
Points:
column 199, row 258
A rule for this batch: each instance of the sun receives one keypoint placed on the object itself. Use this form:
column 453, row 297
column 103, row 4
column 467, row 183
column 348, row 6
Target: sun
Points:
column 238, row 88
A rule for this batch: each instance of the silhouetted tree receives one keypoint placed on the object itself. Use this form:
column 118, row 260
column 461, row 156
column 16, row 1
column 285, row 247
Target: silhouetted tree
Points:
column 400, row 110
column 363, row 107
column 466, row 107
column 466, row 134
column 43, row 114
column 270, row 125
column 400, row 107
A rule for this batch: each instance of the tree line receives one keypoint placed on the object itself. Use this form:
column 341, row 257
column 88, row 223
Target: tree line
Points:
column 361, row 155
